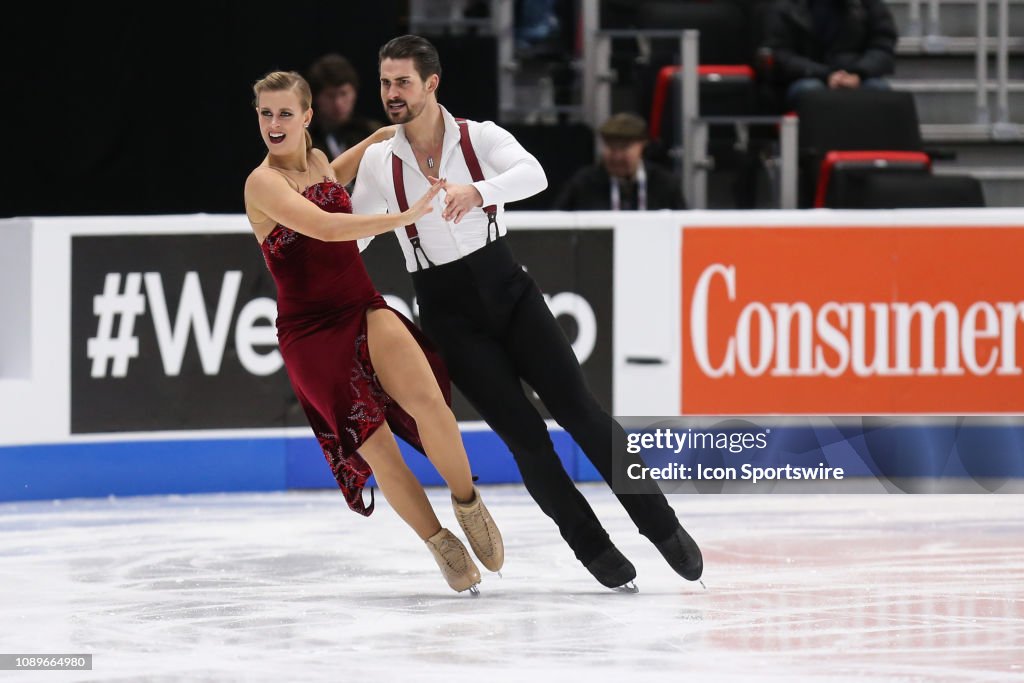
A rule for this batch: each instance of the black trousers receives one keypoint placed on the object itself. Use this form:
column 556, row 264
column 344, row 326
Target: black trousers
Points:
column 493, row 328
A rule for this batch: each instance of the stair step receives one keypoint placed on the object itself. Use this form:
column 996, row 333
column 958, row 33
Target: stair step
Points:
column 982, row 173
column 957, row 104
column 953, row 45
column 951, row 85
column 955, row 18
column 932, row 66
column 955, row 132
column 969, row 138
column 1001, row 187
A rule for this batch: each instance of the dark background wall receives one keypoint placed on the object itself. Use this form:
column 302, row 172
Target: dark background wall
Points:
column 145, row 108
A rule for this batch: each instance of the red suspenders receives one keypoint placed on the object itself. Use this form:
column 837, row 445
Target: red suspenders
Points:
column 410, row 230
column 474, row 171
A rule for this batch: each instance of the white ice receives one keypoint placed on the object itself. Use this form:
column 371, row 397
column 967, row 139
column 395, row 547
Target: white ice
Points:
column 294, row 587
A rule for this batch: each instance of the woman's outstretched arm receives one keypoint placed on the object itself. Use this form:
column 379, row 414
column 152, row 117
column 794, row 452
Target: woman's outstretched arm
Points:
column 347, row 163
column 270, row 194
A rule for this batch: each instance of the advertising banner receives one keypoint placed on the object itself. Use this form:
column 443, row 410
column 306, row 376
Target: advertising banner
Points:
column 176, row 332
column 852, row 320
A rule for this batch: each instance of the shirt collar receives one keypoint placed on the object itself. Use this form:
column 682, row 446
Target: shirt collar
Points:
column 452, row 135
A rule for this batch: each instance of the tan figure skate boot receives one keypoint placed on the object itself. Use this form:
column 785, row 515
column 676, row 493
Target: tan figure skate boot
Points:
column 482, row 532
column 456, row 565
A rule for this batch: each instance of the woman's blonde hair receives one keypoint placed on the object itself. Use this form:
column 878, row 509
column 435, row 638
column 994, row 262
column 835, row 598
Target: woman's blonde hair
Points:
column 276, row 81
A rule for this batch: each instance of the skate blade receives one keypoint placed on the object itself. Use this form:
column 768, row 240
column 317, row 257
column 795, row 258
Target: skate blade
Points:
column 630, row 587
column 474, row 590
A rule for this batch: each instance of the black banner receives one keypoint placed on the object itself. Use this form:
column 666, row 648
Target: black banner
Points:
column 156, row 323
column 574, row 268
column 172, row 332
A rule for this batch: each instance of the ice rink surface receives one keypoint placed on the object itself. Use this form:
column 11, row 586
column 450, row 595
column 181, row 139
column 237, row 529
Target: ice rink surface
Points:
column 294, row 587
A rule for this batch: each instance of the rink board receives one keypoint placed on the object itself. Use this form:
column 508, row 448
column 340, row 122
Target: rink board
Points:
column 989, row 454
column 135, row 468
column 146, row 403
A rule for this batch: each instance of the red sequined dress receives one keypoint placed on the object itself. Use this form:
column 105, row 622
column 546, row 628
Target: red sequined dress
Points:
column 323, row 294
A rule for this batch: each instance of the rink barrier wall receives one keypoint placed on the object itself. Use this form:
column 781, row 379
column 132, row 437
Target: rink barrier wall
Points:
column 167, row 413
column 228, row 464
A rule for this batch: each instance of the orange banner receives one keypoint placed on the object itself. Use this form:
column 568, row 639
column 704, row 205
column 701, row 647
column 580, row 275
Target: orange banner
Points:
column 852, row 320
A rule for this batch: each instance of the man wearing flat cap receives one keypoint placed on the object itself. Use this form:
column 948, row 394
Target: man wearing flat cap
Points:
column 622, row 181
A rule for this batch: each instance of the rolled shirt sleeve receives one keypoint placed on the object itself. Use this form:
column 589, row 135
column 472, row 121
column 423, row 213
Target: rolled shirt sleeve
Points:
column 368, row 196
column 516, row 174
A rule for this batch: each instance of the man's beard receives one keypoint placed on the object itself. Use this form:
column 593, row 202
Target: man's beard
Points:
column 404, row 115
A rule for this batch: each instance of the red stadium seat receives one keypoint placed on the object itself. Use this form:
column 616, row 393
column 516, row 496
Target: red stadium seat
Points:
column 707, row 73
column 915, row 191
column 848, row 134
column 866, row 160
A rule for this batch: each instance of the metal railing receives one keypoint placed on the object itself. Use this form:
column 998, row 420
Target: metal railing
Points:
column 931, row 38
column 981, row 64
column 597, row 81
column 597, row 94
column 1000, row 126
column 426, row 16
column 692, row 153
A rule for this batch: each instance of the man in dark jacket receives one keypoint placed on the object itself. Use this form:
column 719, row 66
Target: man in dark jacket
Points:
column 622, row 181
column 831, row 43
column 336, row 124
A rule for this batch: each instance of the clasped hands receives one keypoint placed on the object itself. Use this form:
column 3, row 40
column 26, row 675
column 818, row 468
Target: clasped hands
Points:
column 843, row 79
column 458, row 200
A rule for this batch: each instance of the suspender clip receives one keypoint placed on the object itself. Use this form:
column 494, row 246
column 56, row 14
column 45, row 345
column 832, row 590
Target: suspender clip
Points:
column 417, row 249
column 492, row 219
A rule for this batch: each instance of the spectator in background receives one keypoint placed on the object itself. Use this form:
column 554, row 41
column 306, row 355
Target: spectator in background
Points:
column 819, row 44
column 539, row 28
column 336, row 126
column 622, row 181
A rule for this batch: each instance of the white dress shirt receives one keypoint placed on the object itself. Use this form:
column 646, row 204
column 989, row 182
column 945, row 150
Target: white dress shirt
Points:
column 510, row 173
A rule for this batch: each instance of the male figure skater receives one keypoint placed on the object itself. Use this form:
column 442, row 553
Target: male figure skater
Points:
column 487, row 316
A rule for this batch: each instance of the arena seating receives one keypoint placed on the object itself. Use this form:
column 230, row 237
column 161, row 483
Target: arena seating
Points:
column 855, row 133
column 911, row 191
column 561, row 149
column 729, row 82
column 727, row 78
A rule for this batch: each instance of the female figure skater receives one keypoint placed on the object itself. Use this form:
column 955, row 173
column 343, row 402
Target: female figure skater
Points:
column 356, row 366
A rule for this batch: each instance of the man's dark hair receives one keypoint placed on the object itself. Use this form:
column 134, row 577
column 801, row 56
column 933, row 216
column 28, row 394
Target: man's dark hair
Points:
column 330, row 71
column 420, row 50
